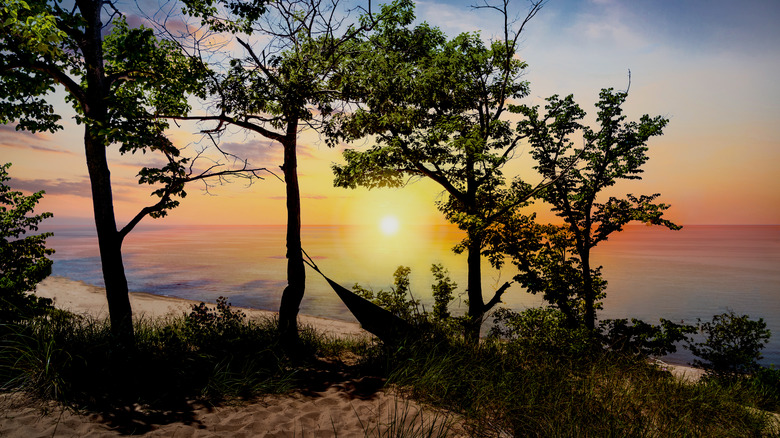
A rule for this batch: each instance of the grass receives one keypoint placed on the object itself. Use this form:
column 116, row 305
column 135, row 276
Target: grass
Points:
column 406, row 419
column 504, row 391
column 497, row 388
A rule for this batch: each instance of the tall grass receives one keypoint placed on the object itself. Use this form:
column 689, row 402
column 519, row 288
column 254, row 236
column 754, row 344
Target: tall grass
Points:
column 76, row 361
column 505, row 391
column 404, row 419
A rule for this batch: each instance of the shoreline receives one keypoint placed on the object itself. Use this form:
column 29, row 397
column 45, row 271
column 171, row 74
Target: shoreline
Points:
column 85, row 299
column 82, row 298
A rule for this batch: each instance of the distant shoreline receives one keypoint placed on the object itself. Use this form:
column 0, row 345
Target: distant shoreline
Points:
column 86, row 299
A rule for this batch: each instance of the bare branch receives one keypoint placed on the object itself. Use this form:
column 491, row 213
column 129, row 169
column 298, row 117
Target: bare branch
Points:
column 497, row 296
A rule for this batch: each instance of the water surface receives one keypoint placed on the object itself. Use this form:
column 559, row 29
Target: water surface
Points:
column 652, row 272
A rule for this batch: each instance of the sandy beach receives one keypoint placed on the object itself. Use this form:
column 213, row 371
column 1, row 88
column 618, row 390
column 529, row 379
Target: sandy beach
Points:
column 346, row 408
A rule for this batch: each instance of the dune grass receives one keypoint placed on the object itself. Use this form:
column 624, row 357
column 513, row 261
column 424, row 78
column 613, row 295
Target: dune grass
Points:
column 499, row 388
column 518, row 393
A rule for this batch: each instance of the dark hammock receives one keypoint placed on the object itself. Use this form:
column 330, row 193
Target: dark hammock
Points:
column 374, row 319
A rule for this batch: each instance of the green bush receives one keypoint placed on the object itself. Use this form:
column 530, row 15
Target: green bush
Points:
column 732, row 344
column 642, row 338
column 541, row 329
column 23, row 259
column 400, row 302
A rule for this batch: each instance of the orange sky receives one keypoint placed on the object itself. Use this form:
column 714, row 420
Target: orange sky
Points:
column 712, row 74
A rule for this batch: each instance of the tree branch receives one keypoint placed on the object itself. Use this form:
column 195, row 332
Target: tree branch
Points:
column 55, row 73
column 179, row 183
column 497, row 296
column 223, row 118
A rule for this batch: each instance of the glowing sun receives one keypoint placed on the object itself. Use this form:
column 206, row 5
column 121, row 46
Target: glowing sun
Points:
column 389, row 225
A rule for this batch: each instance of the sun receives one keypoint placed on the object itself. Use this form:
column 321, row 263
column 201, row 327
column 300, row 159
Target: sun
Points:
column 389, row 225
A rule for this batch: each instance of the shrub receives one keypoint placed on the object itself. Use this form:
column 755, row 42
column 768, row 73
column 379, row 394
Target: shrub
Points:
column 400, row 302
column 23, row 261
column 732, row 344
column 540, row 329
column 207, row 323
column 642, row 338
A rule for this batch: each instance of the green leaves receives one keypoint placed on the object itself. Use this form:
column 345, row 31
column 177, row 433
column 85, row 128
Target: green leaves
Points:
column 433, row 108
column 118, row 85
column 35, row 30
column 732, row 344
column 23, row 259
column 243, row 14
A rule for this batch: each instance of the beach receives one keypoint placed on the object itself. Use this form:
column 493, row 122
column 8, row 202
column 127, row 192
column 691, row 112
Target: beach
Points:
column 347, row 407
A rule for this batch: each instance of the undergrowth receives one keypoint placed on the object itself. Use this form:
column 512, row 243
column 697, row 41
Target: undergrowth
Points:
column 212, row 355
column 518, row 387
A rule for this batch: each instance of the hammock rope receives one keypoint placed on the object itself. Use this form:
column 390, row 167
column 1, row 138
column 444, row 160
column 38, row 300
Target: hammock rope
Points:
column 374, row 319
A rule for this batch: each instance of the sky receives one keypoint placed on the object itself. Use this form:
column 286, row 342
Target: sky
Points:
column 711, row 67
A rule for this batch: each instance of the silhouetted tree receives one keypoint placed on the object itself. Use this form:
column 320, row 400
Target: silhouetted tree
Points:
column 117, row 79
column 436, row 108
column 615, row 150
column 287, row 82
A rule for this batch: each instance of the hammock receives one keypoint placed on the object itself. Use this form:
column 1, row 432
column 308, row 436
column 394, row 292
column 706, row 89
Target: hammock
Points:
column 378, row 321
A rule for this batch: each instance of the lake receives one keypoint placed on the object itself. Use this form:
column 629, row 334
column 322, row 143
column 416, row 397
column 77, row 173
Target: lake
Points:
column 652, row 272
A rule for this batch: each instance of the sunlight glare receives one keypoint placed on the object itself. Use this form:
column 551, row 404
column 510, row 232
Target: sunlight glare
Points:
column 389, row 225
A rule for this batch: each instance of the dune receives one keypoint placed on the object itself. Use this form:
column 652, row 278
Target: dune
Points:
column 348, row 408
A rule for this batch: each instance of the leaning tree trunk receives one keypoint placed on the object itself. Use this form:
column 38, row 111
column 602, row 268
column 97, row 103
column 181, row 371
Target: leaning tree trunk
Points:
column 109, row 241
column 296, row 273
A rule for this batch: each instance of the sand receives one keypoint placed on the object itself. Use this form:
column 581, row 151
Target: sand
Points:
column 346, row 408
column 329, row 413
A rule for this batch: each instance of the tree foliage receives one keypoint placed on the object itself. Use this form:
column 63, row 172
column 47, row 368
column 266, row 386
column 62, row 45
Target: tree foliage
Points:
column 24, row 258
column 117, row 79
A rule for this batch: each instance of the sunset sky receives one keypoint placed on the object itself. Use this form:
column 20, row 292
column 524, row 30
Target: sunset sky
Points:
column 711, row 67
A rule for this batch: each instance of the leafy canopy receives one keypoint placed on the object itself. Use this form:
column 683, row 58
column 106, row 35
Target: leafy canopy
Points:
column 43, row 44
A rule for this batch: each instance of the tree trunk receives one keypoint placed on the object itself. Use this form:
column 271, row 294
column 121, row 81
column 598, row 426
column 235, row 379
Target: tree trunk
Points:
column 96, row 112
column 476, row 310
column 587, row 285
column 296, row 273
column 109, row 242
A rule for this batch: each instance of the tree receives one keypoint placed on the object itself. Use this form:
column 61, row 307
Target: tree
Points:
column 732, row 346
column 436, row 108
column 282, row 87
column 23, row 259
column 116, row 84
column 617, row 150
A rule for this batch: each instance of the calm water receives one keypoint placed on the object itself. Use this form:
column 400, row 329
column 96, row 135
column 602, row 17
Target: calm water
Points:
column 652, row 273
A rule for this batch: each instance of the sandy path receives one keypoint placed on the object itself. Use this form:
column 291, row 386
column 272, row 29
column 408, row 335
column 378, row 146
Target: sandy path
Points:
column 334, row 412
